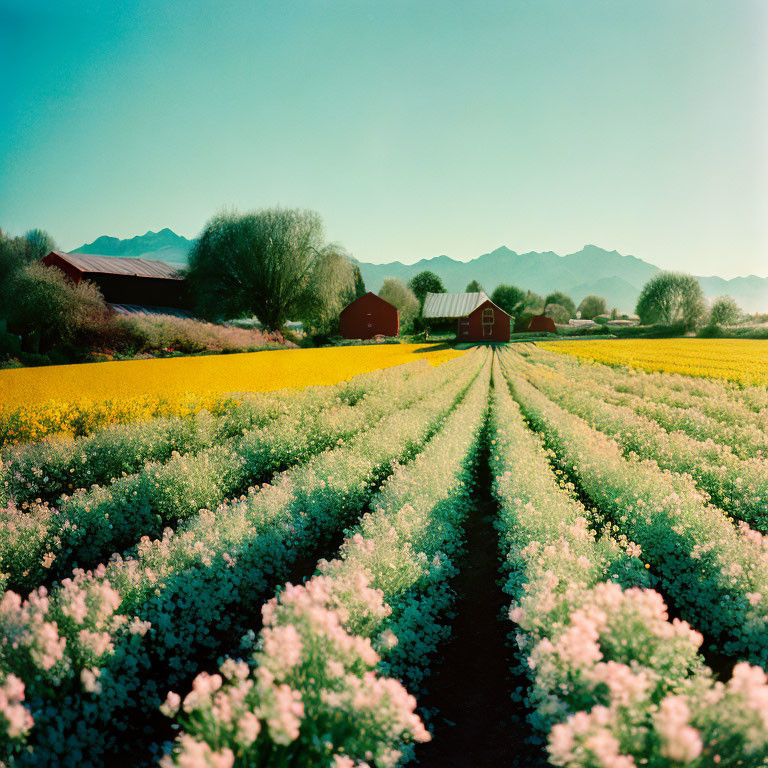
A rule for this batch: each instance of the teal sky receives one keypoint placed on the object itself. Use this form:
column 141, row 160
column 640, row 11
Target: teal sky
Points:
column 414, row 128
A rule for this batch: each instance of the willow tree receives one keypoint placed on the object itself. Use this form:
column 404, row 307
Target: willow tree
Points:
column 256, row 263
column 332, row 285
column 670, row 298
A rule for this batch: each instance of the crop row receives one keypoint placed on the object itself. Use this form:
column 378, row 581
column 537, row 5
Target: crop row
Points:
column 613, row 681
column 113, row 641
column 745, row 432
column 716, row 574
column 39, row 542
column 721, row 398
column 739, row 486
column 314, row 692
column 45, row 470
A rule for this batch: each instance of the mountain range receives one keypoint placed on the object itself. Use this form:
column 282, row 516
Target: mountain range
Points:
column 611, row 274
column 164, row 245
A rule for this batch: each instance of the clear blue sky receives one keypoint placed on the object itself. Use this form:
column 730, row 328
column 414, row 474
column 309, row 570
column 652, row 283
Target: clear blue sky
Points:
column 415, row 128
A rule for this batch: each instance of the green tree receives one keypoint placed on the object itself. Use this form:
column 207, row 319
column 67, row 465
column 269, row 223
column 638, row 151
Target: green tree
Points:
column 330, row 287
column 359, row 283
column 558, row 313
column 725, row 311
column 534, row 303
column 256, row 263
column 591, row 306
column 423, row 283
column 397, row 293
column 558, row 297
column 670, row 298
column 510, row 298
column 48, row 308
column 474, row 287
column 39, row 244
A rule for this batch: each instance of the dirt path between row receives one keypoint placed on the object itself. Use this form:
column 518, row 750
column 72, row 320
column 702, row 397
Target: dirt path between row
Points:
column 476, row 722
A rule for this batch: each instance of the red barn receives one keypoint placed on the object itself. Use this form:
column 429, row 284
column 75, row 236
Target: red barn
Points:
column 478, row 318
column 125, row 281
column 542, row 324
column 367, row 317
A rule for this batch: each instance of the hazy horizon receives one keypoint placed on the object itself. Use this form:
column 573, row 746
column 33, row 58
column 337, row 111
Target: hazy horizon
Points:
column 415, row 130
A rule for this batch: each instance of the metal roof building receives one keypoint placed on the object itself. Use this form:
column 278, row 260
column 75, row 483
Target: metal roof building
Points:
column 478, row 318
column 126, row 281
column 452, row 304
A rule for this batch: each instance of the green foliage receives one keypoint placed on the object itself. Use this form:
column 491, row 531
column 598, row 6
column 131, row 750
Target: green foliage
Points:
column 425, row 282
column 359, row 282
column 560, row 314
column 39, row 244
column 725, row 311
column 474, row 287
column 256, row 263
column 330, row 287
column 565, row 301
column 397, row 293
column 510, row 298
column 670, row 298
column 591, row 306
column 534, row 304
column 48, row 309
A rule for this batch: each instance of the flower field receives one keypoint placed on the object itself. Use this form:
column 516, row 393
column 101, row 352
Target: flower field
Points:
column 76, row 399
column 741, row 360
column 273, row 578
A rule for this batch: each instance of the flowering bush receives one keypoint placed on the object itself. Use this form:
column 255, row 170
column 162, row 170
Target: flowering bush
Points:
column 90, row 524
column 55, row 466
column 614, row 683
column 739, row 486
column 199, row 584
column 712, row 414
column 311, row 694
column 716, row 574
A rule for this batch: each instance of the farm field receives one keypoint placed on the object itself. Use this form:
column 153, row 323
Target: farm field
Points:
column 507, row 556
column 35, row 402
column 741, row 360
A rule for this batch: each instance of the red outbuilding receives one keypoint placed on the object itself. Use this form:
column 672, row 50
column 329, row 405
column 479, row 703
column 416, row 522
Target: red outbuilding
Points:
column 478, row 318
column 542, row 324
column 125, row 281
column 367, row 317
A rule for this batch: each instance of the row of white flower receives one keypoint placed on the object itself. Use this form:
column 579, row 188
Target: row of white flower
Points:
column 47, row 469
column 38, row 542
column 99, row 653
column 314, row 692
column 614, row 683
column 739, row 486
column 729, row 400
column 678, row 413
column 715, row 573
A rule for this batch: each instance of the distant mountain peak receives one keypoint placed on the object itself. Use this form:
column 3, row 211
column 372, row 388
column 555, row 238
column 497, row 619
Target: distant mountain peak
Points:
column 164, row 245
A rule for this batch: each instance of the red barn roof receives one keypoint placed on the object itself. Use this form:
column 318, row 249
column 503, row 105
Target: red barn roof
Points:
column 88, row 263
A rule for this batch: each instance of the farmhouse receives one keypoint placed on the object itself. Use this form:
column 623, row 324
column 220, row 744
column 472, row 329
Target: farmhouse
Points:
column 127, row 284
column 367, row 317
column 478, row 318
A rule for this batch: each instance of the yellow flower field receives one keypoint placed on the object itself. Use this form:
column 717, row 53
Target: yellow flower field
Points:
column 76, row 399
column 742, row 360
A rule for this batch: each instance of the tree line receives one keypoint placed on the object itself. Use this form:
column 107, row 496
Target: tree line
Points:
column 277, row 265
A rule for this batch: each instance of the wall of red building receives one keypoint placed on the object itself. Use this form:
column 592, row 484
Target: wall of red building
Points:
column 470, row 328
column 367, row 317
